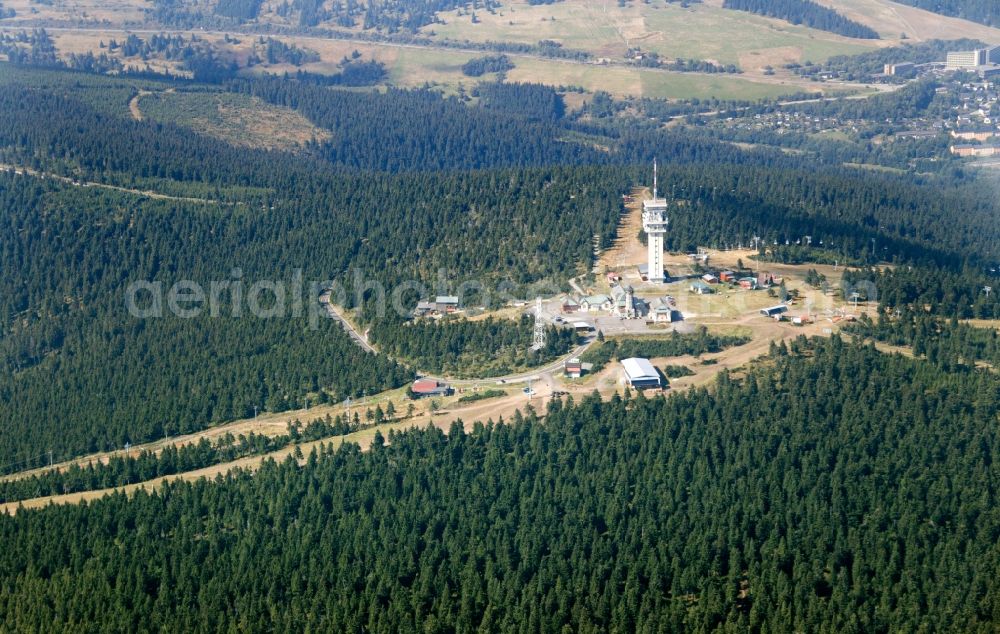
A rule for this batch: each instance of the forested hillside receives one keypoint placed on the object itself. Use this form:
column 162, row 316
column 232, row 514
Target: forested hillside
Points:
column 83, row 375
column 439, row 133
column 938, row 292
column 119, row 379
column 823, row 487
column 784, row 500
column 805, row 12
column 457, row 346
column 389, row 15
column 982, row 11
column 377, row 203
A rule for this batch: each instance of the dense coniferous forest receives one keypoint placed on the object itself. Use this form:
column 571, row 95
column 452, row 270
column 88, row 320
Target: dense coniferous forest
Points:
column 242, row 10
column 440, row 133
column 534, row 101
column 948, row 343
column 932, row 291
column 805, row 12
column 227, row 364
column 147, row 465
column 387, row 15
column 323, row 210
column 121, row 470
column 81, row 374
column 489, row 347
column 982, row 11
column 479, row 66
column 783, row 500
column 910, row 101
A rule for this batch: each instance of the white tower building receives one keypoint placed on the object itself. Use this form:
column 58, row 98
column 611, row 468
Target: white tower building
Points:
column 654, row 223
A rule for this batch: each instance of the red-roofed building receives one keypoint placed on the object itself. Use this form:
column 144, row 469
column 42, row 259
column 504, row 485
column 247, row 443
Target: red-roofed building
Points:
column 573, row 368
column 429, row 387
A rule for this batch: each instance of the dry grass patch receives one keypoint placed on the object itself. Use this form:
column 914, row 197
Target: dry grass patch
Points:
column 237, row 119
column 892, row 19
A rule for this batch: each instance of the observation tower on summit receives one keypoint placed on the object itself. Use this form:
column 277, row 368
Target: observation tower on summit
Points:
column 654, row 223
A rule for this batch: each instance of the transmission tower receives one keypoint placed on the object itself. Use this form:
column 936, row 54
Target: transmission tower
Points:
column 539, row 337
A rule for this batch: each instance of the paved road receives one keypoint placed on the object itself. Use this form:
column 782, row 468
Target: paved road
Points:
column 522, row 377
column 334, row 314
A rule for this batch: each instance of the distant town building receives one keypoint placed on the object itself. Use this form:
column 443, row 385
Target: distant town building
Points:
column 975, row 150
column 973, row 136
column 640, row 373
column 917, row 134
column 966, row 59
column 991, row 71
column 903, row 68
column 774, row 311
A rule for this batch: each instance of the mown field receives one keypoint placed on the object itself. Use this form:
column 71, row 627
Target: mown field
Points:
column 417, row 66
column 700, row 31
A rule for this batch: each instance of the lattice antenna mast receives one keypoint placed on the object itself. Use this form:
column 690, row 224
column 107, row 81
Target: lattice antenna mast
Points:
column 538, row 340
column 655, row 195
